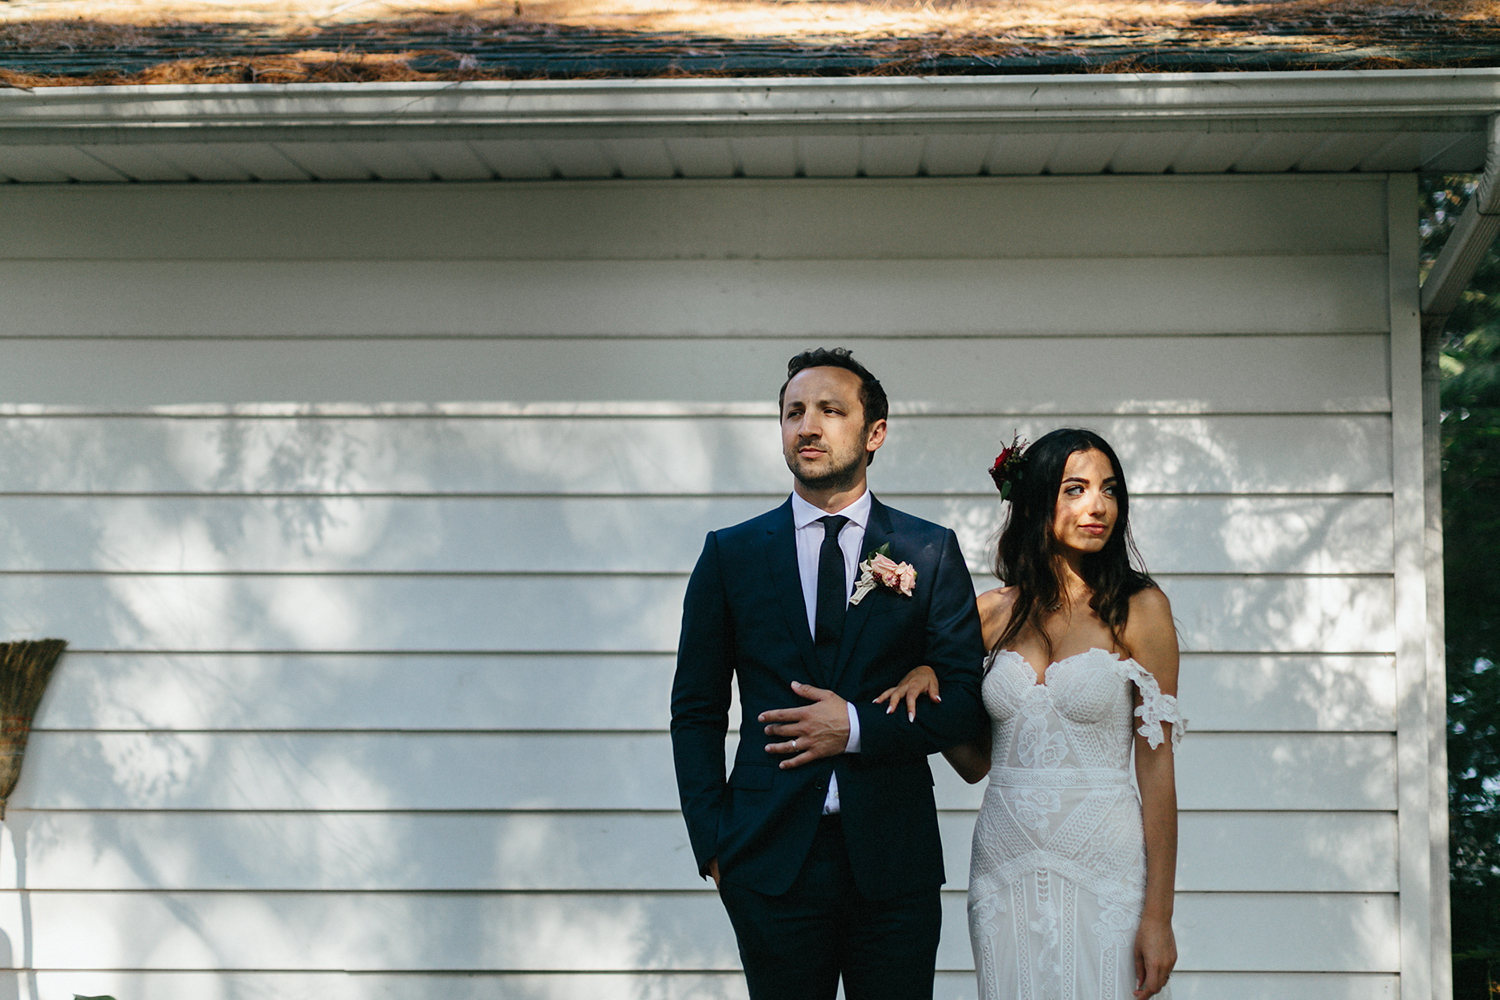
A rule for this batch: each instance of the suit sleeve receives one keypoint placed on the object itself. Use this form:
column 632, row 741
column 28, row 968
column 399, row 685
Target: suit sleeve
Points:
column 700, row 702
column 955, row 652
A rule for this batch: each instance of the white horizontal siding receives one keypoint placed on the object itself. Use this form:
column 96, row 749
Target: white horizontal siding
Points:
column 663, row 985
column 591, row 534
column 581, row 612
column 612, row 453
column 596, row 692
column 372, row 555
column 1278, row 374
column 561, row 851
column 1310, row 693
column 803, row 220
column 1330, row 293
column 607, row 771
column 1277, row 986
column 588, row 932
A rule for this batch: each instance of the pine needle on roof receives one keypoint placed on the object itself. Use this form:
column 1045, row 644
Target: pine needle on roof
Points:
column 291, row 41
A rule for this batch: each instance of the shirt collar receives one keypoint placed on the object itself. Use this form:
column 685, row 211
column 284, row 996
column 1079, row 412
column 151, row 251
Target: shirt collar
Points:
column 804, row 513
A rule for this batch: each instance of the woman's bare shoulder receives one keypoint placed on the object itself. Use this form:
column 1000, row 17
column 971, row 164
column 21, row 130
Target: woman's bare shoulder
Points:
column 1152, row 636
column 997, row 601
column 1150, row 608
column 994, row 612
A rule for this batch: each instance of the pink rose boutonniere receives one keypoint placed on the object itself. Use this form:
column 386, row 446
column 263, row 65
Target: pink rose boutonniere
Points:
column 880, row 568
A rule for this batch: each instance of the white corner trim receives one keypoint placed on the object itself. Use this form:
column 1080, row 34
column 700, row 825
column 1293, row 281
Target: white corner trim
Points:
column 1413, row 687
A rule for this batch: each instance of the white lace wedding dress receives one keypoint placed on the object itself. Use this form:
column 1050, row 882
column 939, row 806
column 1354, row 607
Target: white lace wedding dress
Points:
column 1059, row 866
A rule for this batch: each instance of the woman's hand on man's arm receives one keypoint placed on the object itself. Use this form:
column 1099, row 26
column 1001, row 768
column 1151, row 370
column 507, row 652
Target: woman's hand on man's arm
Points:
column 919, row 681
column 971, row 759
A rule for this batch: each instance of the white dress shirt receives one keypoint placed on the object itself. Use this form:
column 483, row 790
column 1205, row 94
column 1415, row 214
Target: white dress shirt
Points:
column 809, row 534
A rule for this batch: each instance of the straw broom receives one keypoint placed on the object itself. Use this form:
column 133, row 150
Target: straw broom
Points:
column 25, row 668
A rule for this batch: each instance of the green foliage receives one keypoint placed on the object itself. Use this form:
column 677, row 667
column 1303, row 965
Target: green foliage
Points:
column 1471, row 569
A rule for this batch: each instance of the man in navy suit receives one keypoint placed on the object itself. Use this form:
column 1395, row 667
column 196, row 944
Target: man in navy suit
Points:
column 823, row 841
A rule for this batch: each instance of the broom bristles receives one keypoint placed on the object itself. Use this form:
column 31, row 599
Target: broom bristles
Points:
column 25, row 668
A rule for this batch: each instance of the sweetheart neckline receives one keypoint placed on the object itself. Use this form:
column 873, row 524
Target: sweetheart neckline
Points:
column 1042, row 682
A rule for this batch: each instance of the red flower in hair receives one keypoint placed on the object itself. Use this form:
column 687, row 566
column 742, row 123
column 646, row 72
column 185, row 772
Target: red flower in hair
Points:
column 1008, row 466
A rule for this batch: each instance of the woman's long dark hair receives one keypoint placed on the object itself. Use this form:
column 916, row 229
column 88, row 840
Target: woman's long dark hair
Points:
column 1025, row 557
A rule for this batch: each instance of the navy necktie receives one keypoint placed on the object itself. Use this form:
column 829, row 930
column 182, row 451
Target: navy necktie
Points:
column 833, row 591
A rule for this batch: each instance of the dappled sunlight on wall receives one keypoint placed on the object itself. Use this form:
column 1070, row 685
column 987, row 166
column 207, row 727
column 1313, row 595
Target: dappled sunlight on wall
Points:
column 1337, row 534
column 521, row 762
column 444, row 612
column 1251, row 453
column 149, row 768
column 199, row 535
column 1325, row 614
column 1302, row 535
column 358, row 850
column 607, row 613
column 314, row 615
column 417, row 454
column 541, row 561
column 393, row 931
column 1355, row 933
column 361, row 691
column 372, row 632
column 1304, row 693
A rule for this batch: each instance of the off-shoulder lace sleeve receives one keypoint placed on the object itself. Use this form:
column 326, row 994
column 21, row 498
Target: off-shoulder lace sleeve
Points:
column 1155, row 707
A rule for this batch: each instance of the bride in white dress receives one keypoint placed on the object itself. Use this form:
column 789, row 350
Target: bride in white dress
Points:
column 1071, row 881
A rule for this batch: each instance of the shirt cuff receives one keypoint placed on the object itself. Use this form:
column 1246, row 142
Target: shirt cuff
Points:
column 853, row 746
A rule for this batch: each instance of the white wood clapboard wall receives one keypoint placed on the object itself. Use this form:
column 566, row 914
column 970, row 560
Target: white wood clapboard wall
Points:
column 368, row 510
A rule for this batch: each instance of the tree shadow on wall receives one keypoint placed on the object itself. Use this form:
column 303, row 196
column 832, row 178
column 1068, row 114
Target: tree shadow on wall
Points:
column 270, row 746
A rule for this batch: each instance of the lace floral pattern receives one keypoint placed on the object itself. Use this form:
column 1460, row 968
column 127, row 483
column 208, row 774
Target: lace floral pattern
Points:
column 1155, row 708
column 1059, row 862
column 1115, row 927
column 985, row 914
column 1033, row 806
column 1047, row 927
column 1036, row 746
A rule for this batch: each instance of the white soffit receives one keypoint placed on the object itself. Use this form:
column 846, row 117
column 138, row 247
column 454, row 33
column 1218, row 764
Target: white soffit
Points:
column 1373, row 121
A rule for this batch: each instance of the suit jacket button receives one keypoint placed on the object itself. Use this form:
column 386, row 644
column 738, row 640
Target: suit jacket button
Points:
column 821, row 785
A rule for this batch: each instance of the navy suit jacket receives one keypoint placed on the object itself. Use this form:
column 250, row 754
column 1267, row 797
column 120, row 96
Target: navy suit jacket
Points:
column 744, row 618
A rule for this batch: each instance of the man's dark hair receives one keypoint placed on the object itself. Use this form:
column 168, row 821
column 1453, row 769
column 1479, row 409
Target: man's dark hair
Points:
column 871, row 393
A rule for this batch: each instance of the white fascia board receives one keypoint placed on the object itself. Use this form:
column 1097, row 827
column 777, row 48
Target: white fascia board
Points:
column 1466, row 246
column 1400, row 100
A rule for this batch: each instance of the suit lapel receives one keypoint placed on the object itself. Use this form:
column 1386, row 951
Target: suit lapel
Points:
column 877, row 533
column 786, row 580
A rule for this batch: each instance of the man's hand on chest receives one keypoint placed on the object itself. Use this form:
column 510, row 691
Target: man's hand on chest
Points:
column 811, row 732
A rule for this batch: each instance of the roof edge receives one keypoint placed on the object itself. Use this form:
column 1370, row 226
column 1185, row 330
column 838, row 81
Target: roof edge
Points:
column 1364, row 99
